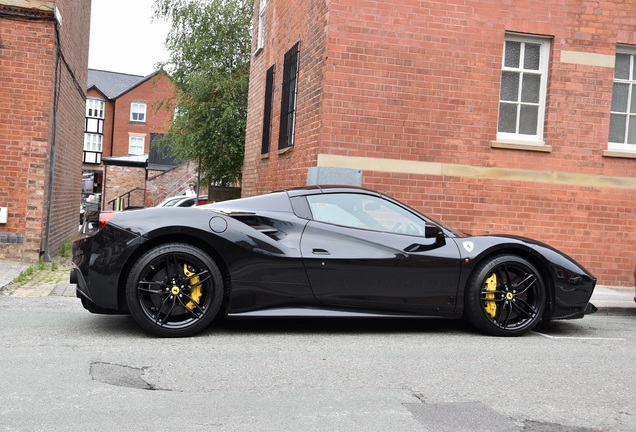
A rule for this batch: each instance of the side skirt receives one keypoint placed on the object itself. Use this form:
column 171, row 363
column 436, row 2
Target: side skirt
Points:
column 315, row 312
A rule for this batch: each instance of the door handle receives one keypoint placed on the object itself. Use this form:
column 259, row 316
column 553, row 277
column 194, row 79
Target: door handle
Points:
column 317, row 251
column 416, row 247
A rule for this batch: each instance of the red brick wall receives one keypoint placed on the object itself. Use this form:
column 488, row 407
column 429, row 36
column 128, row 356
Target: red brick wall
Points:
column 158, row 117
column 415, row 81
column 69, row 142
column 292, row 21
column 24, row 129
column 27, row 78
column 119, row 180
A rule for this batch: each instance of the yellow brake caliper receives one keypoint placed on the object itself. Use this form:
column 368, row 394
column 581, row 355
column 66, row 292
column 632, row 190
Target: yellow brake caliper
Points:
column 197, row 291
column 490, row 306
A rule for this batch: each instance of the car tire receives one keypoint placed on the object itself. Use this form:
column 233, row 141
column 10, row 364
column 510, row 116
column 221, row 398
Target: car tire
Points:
column 505, row 296
column 174, row 290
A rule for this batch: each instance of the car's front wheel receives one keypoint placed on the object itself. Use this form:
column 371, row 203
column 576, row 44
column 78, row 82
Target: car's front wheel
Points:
column 505, row 297
column 174, row 290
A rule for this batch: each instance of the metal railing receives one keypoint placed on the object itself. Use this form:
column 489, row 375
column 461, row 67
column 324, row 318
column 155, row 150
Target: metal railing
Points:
column 122, row 202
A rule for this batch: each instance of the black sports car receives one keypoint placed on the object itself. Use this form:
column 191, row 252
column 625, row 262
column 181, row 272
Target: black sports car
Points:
column 317, row 250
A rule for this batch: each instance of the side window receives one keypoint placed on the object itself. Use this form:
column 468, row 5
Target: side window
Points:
column 365, row 212
column 188, row 203
column 622, row 133
column 262, row 14
column 136, row 145
column 138, row 112
column 94, row 108
column 522, row 97
column 93, row 142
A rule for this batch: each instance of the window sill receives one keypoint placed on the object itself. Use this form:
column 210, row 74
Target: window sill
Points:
column 285, row 150
column 264, row 155
column 517, row 146
column 258, row 51
column 619, row 154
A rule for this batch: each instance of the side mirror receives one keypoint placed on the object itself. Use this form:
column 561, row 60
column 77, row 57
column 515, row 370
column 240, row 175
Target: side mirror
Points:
column 433, row 231
column 430, row 231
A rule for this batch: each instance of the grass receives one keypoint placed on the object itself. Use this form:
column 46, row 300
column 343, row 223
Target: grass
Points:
column 39, row 266
column 39, row 270
column 67, row 248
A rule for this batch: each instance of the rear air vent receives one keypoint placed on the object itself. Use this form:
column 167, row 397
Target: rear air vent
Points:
column 263, row 225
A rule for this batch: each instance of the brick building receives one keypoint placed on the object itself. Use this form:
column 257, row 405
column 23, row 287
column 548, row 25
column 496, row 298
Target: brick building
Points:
column 495, row 117
column 124, row 114
column 43, row 68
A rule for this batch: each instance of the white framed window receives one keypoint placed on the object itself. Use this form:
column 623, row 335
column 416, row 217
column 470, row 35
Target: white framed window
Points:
column 262, row 20
column 622, row 131
column 136, row 145
column 138, row 112
column 93, row 142
column 522, row 96
column 95, row 108
column 94, row 122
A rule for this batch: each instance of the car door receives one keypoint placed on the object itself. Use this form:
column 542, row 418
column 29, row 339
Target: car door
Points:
column 365, row 251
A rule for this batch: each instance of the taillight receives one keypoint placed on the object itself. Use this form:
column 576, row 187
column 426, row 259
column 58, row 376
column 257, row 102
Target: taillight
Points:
column 104, row 218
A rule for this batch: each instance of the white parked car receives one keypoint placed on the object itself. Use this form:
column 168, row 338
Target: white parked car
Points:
column 183, row 201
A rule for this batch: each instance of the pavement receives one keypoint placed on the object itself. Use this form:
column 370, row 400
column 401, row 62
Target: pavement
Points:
column 608, row 300
column 47, row 282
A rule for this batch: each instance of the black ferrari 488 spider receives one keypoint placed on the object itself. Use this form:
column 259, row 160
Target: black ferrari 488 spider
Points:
column 330, row 250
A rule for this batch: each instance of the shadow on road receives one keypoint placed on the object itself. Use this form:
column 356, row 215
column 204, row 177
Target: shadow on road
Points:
column 124, row 325
column 340, row 326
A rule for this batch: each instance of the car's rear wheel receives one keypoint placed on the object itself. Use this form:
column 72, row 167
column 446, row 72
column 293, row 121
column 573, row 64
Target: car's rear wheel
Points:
column 505, row 297
column 174, row 290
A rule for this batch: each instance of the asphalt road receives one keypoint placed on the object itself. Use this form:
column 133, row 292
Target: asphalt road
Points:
column 64, row 369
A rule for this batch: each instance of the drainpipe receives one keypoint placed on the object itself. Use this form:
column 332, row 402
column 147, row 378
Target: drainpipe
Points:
column 44, row 253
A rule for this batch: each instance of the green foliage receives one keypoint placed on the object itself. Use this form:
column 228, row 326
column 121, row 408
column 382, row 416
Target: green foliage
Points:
column 42, row 276
column 25, row 274
column 209, row 45
column 67, row 247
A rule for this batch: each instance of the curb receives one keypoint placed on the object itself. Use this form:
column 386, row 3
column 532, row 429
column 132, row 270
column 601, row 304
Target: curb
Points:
column 63, row 290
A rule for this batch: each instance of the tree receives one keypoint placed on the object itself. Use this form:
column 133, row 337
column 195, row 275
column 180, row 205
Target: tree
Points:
column 209, row 52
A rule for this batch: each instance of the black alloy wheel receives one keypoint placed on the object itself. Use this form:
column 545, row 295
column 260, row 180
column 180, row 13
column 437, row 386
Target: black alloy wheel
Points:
column 174, row 290
column 505, row 297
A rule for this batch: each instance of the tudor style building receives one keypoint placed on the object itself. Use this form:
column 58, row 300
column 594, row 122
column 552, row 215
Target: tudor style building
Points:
column 124, row 114
column 491, row 116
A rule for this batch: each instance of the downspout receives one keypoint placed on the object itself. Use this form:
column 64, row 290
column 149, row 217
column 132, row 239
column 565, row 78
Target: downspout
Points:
column 146, row 177
column 44, row 253
column 112, row 128
column 102, row 200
